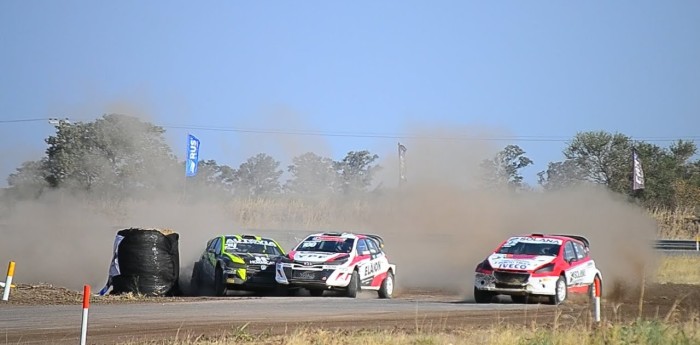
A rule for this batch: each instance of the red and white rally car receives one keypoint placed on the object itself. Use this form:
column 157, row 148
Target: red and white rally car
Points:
column 338, row 261
column 537, row 264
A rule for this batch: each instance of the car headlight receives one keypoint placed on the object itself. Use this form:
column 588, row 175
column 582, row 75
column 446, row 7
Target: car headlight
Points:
column 545, row 268
column 338, row 261
column 484, row 266
column 233, row 263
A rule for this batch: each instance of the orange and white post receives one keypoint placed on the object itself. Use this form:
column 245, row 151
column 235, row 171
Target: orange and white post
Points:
column 86, row 306
column 596, row 286
column 8, row 281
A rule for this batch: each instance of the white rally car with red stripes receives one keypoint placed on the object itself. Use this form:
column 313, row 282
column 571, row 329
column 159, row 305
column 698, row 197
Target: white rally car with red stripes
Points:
column 338, row 261
column 538, row 265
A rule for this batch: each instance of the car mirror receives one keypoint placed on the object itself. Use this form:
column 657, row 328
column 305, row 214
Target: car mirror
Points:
column 364, row 252
column 570, row 260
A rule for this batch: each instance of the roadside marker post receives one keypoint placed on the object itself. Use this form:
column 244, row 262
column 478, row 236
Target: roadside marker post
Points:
column 86, row 306
column 8, row 281
column 596, row 283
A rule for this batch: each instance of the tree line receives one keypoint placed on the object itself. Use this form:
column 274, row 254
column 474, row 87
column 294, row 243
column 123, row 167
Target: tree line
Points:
column 122, row 155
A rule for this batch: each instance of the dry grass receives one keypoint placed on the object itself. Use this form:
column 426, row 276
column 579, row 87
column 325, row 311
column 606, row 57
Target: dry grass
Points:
column 638, row 332
column 303, row 213
column 679, row 269
column 682, row 223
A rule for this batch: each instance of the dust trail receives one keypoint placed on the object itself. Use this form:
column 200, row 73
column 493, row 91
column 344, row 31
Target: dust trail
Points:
column 437, row 228
column 443, row 223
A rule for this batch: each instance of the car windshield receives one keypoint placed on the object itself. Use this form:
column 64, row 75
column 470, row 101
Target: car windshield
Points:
column 253, row 246
column 530, row 248
column 328, row 244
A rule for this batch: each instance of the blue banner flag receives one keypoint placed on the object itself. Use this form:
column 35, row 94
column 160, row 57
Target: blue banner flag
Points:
column 192, row 155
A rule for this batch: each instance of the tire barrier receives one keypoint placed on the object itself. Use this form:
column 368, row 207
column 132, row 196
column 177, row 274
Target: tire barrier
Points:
column 145, row 262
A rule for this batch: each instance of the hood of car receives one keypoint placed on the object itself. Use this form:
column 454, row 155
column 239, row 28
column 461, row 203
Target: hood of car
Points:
column 315, row 257
column 519, row 262
column 256, row 259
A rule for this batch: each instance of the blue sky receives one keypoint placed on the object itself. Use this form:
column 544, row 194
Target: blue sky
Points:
column 543, row 69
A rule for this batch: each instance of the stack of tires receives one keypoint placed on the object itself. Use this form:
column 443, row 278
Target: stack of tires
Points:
column 148, row 262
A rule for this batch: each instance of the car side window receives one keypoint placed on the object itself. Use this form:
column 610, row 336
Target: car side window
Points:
column 217, row 244
column 210, row 246
column 373, row 248
column 362, row 246
column 581, row 251
column 569, row 252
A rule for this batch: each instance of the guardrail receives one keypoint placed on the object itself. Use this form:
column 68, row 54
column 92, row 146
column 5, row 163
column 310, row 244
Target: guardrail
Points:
column 678, row 245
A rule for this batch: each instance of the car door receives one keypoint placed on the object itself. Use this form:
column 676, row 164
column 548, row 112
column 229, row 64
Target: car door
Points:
column 365, row 265
column 376, row 264
column 575, row 273
column 586, row 265
column 212, row 256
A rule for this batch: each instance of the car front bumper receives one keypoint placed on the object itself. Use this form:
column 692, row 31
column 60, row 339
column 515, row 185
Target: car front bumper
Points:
column 313, row 276
column 523, row 286
column 250, row 277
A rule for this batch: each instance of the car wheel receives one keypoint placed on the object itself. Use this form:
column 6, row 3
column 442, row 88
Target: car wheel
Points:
column 354, row 285
column 316, row 292
column 196, row 280
column 481, row 296
column 560, row 291
column 219, row 282
column 520, row 299
column 387, row 288
column 282, row 290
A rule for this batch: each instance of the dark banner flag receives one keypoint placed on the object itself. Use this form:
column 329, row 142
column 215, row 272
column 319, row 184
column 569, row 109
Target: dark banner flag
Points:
column 402, row 163
column 192, row 155
column 637, row 171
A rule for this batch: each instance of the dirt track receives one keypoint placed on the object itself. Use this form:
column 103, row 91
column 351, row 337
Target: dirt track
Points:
column 117, row 319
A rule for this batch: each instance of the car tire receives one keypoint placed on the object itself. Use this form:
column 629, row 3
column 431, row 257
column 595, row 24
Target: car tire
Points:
column 196, row 279
column 520, row 299
column 219, row 282
column 387, row 288
column 282, row 290
column 354, row 285
column 481, row 296
column 560, row 291
column 316, row 292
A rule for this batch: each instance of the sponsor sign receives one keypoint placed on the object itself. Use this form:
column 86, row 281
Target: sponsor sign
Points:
column 192, row 155
column 372, row 268
column 526, row 239
column 513, row 265
column 232, row 241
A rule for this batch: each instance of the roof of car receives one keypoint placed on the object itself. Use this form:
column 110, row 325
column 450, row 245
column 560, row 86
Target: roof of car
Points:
column 378, row 239
column 577, row 238
column 339, row 234
column 247, row 236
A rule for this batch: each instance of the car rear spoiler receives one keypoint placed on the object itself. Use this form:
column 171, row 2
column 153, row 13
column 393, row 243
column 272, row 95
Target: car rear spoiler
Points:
column 377, row 238
column 580, row 238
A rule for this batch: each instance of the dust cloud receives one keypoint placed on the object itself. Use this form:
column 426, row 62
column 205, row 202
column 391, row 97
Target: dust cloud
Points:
column 438, row 226
column 442, row 222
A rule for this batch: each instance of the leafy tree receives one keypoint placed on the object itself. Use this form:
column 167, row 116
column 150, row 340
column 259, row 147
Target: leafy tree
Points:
column 258, row 176
column 312, row 175
column 30, row 178
column 559, row 175
column 602, row 157
column 113, row 153
column 211, row 174
column 503, row 170
column 356, row 171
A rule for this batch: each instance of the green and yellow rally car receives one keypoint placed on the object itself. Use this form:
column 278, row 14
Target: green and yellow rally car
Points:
column 237, row 262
